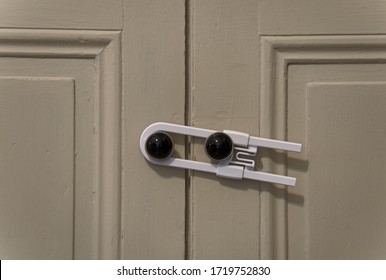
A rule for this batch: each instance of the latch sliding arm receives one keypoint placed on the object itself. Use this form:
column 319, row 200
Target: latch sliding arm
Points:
column 229, row 148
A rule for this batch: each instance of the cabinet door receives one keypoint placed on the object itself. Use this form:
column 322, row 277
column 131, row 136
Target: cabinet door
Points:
column 59, row 129
column 324, row 85
column 305, row 71
column 80, row 80
column 72, row 182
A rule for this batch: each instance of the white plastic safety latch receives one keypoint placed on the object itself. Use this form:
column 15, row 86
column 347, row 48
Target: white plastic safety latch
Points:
column 231, row 151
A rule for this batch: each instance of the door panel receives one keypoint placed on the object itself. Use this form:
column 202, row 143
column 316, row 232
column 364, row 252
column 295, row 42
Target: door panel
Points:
column 342, row 127
column 43, row 59
column 331, row 100
column 345, row 190
column 36, row 168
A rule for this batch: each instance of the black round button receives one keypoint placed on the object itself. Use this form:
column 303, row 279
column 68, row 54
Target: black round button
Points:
column 219, row 146
column 159, row 145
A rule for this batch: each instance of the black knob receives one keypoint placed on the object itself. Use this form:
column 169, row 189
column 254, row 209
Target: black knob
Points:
column 159, row 145
column 219, row 146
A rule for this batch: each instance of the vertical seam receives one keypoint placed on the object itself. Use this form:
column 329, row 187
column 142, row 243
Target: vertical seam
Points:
column 187, row 121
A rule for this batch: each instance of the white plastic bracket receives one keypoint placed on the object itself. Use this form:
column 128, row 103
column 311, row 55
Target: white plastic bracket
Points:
column 240, row 167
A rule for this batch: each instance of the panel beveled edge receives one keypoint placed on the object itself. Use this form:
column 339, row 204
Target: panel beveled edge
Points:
column 110, row 123
column 105, row 48
column 54, row 43
column 278, row 52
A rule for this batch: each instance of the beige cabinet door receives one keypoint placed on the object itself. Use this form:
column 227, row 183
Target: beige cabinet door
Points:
column 305, row 71
column 59, row 129
column 80, row 80
column 323, row 84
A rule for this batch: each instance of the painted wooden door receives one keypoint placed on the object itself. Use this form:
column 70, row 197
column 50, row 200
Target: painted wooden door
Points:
column 80, row 80
column 323, row 84
column 60, row 97
column 306, row 71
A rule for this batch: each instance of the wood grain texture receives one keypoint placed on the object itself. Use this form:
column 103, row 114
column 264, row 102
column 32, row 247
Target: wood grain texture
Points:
column 153, row 198
column 312, row 17
column 224, row 48
column 36, row 168
column 97, row 160
column 59, row 14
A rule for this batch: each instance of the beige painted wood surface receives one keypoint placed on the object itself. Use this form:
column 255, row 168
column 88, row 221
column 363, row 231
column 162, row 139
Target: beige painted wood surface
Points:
column 153, row 198
column 61, row 14
column 92, row 66
column 310, row 17
column 223, row 219
column 326, row 92
column 343, row 187
column 36, row 168
column 84, row 78
column 345, row 203
column 215, row 39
